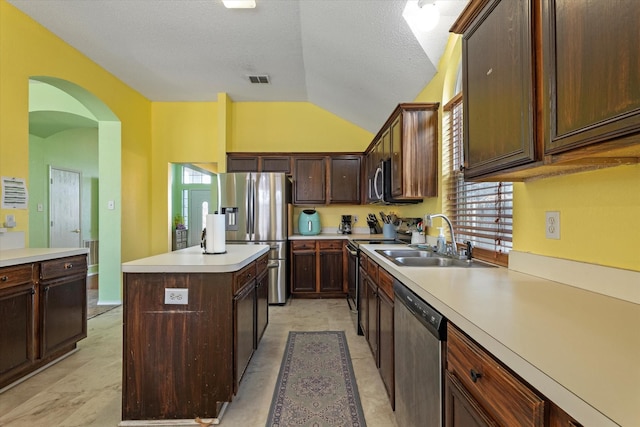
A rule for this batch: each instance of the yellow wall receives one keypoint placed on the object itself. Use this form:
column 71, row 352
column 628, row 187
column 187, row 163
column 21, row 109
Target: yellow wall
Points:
column 182, row 132
column 292, row 126
column 28, row 49
column 599, row 214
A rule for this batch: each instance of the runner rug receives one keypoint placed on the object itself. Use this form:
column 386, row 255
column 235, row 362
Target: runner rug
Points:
column 316, row 386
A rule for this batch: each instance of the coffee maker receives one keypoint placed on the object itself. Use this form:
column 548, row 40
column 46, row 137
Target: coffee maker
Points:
column 345, row 225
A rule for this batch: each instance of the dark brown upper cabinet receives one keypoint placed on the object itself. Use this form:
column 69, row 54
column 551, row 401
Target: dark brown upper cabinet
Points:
column 344, row 179
column 591, row 68
column 309, row 181
column 498, row 83
column 549, row 87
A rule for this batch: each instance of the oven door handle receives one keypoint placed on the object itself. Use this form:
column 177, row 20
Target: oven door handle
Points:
column 352, row 251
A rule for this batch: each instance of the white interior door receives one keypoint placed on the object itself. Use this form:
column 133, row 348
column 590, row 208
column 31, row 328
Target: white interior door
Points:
column 199, row 203
column 64, row 208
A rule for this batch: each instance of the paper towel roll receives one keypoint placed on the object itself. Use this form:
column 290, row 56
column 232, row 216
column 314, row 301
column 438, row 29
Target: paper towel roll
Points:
column 215, row 240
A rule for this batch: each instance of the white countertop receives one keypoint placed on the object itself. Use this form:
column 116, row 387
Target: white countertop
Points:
column 11, row 257
column 192, row 260
column 579, row 348
column 330, row 236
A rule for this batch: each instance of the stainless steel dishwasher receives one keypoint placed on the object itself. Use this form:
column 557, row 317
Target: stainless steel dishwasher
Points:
column 420, row 334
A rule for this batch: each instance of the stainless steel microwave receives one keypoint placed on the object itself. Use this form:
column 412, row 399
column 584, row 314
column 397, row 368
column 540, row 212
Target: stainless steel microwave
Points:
column 379, row 187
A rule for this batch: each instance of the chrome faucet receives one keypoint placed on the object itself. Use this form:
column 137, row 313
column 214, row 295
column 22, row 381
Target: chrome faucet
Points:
column 429, row 217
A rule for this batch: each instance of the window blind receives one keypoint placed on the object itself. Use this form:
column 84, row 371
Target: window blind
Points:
column 481, row 212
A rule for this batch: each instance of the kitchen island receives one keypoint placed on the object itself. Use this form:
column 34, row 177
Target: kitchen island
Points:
column 577, row 347
column 43, row 308
column 191, row 324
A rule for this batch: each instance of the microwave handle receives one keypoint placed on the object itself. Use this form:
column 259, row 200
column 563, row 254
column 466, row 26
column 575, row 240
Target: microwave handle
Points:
column 375, row 182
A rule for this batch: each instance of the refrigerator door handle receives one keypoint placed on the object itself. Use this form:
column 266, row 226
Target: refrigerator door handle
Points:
column 252, row 212
column 247, row 223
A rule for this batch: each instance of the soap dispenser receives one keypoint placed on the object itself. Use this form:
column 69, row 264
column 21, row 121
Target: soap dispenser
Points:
column 441, row 246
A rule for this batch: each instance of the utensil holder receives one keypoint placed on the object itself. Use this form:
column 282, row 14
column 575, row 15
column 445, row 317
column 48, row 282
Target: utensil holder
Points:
column 388, row 231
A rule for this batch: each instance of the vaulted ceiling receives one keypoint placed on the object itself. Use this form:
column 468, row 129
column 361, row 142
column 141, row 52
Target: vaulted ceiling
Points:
column 354, row 58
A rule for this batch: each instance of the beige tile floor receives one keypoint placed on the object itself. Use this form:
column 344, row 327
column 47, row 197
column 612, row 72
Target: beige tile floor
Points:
column 85, row 388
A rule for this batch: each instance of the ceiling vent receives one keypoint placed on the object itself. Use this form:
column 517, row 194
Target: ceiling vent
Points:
column 263, row 79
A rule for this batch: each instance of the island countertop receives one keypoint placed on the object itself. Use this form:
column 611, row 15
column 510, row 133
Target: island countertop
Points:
column 192, row 260
column 10, row 257
column 579, row 348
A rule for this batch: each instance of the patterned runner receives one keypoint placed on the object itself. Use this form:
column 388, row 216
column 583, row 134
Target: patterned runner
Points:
column 316, row 386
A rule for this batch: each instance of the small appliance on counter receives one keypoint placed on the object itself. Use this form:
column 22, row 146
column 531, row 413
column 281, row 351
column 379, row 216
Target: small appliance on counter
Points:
column 345, row 225
column 374, row 225
column 309, row 222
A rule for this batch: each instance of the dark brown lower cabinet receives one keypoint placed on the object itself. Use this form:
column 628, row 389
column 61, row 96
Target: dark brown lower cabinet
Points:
column 16, row 333
column 461, row 409
column 363, row 311
column 63, row 306
column 244, row 330
column 385, row 344
column 262, row 306
column 318, row 268
column 372, row 310
column 43, row 313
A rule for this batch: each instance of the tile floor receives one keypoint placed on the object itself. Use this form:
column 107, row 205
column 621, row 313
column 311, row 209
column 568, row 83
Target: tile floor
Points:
column 85, row 388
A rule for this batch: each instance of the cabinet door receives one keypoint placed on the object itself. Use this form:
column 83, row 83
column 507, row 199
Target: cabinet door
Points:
column 262, row 306
column 363, row 305
column 594, row 92
column 16, row 333
column 395, row 137
column 63, row 311
column 386, row 346
column 498, row 79
column 372, row 313
column 309, row 180
column 345, row 180
column 303, row 264
column 242, row 163
column 461, row 409
column 331, row 263
column 244, row 330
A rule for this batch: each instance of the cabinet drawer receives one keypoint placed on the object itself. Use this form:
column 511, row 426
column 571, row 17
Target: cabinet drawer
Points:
column 330, row 244
column 243, row 276
column 385, row 282
column 372, row 270
column 262, row 264
column 298, row 245
column 63, row 267
column 501, row 394
column 11, row 276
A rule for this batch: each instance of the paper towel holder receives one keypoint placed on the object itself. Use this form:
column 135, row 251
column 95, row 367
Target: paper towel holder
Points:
column 203, row 244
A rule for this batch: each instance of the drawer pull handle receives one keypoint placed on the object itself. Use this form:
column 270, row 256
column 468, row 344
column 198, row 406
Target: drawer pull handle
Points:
column 4, row 278
column 68, row 265
column 475, row 376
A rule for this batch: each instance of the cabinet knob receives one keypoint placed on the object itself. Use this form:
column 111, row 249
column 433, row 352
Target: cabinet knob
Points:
column 475, row 376
column 68, row 266
column 4, row 278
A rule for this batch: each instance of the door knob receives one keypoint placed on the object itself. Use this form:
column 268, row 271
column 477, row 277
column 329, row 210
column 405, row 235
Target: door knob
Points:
column 77, row 230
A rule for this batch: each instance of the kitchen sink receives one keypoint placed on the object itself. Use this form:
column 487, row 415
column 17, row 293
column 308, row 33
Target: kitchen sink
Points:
column 405, row 253
column 417, row 258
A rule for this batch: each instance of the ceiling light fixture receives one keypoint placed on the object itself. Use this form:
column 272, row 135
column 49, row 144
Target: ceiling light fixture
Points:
column 422, row 14
column 239, row 4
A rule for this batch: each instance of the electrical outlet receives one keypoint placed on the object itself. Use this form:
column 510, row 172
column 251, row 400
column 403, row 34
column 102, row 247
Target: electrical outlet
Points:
column 111, row 205
column 552, row 225
column 178, row 296
column 355, row 219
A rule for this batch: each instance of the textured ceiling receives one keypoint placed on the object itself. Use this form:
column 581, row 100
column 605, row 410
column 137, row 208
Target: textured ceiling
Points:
column 354, row 58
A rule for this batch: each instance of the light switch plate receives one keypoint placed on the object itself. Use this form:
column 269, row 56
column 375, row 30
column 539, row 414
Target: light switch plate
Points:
column 552, row 225
column 178, row 296
column 111, row 205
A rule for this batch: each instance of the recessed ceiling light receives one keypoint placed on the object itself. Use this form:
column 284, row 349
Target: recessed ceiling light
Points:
column 239, row 4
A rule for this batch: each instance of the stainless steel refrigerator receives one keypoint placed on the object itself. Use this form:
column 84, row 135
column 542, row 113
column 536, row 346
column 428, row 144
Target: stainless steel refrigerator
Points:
column 256, row 206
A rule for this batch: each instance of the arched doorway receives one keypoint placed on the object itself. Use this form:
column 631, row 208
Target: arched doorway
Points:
column 109, row 175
